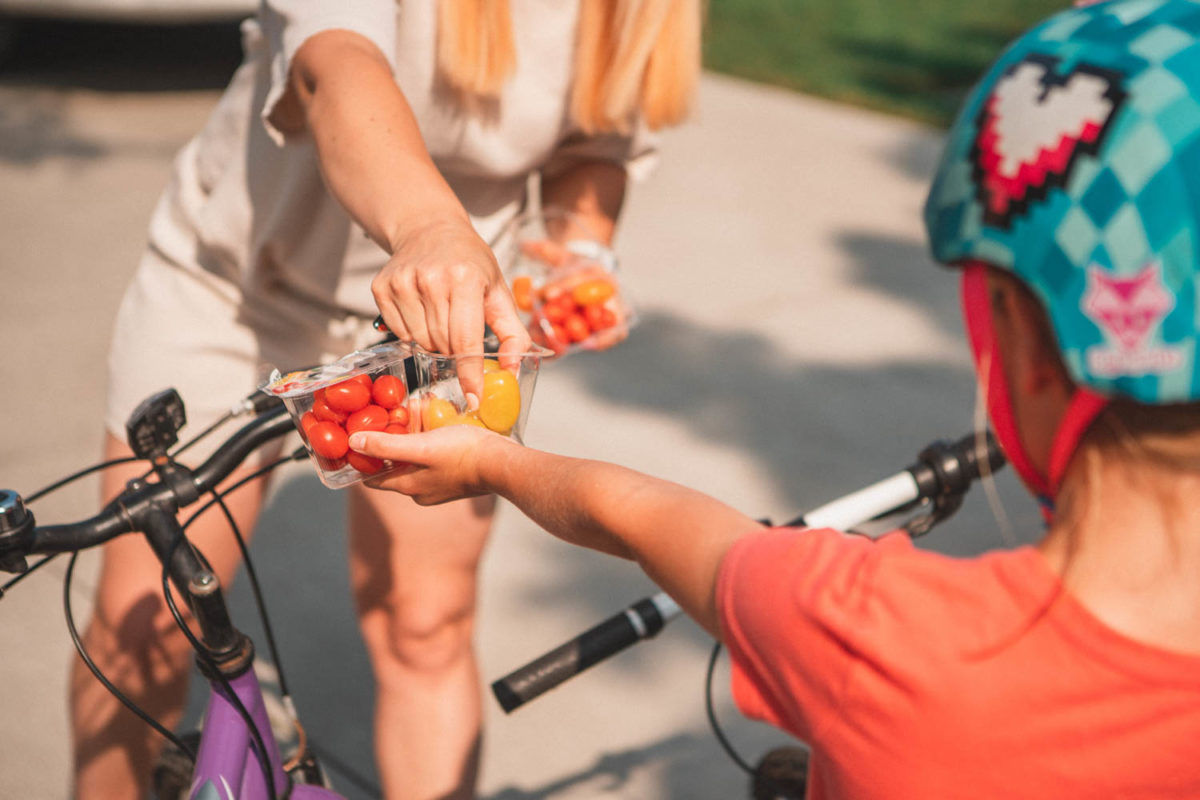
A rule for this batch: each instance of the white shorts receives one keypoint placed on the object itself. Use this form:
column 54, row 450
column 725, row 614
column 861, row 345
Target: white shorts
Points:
column 187, row 329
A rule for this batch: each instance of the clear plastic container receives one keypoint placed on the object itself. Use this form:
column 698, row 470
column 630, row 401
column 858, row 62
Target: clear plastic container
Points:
column 366, row 390
column 565, row 283
column 507, row 390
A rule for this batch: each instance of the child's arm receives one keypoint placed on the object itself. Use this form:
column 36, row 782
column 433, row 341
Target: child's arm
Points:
column 677, row 535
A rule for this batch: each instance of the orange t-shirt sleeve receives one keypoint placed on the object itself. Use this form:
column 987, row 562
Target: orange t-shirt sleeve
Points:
column 788, row 601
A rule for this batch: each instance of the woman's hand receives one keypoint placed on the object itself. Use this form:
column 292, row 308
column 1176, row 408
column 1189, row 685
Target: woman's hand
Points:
column 439, row 288
column 444, row 464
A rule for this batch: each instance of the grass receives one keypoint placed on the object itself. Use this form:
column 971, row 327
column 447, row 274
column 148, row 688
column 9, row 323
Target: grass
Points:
column 915, row 58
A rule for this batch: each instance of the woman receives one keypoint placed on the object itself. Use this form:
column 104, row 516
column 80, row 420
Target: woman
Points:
column 358, row 164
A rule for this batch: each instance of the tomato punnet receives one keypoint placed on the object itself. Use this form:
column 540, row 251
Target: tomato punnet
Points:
column 322, row 410
column 307, row 420
column 364, row 463
column 395, row 427
column 398, row 415
column 328, row 440
column 592, row 292
column 522, row 291
column 388, row 391
column 348, row 396
column 576, row 328
column 367, row 418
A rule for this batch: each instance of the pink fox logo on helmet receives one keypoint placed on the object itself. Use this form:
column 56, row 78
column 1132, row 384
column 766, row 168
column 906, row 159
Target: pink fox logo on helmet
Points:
column 1032, row 128
column 1129, row 310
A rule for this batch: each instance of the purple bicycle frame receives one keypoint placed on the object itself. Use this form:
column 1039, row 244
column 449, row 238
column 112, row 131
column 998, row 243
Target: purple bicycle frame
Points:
column 226, row 767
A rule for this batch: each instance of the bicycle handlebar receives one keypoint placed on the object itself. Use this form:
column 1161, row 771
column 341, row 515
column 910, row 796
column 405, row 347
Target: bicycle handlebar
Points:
column 942, row 474
column 20, row 536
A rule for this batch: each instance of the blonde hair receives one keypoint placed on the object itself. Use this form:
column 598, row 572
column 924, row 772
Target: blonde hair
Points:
column 632, row 56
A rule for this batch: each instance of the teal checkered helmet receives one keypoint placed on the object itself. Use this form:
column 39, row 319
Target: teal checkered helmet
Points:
column 1075, row 165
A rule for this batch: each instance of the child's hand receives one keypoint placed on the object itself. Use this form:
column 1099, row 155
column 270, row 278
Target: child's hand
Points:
column 444, row 464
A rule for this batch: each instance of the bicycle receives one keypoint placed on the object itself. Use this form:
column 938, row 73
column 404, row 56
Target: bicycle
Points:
column 932, row 489
column 236, row 754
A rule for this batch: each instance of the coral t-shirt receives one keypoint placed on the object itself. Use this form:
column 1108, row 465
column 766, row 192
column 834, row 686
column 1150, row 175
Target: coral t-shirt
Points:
column 917, row 675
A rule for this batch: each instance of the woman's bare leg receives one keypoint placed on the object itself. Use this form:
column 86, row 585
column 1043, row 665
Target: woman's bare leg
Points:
column 413, row 570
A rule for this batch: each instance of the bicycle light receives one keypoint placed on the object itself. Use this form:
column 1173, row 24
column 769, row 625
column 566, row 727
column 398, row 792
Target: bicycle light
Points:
column 16, row 531
column 154, row 425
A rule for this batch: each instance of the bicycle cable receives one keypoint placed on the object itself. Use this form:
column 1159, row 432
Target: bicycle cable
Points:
column 100, row 676
column 251, row 573
column 260, row 746
column 712, row 714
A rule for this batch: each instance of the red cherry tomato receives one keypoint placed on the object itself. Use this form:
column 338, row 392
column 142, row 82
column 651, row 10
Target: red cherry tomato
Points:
column 599, row 317
column 576, row 328
column 395, row 427
column 398, row 415
column 307, row 420
column 330, row 464
column 388, row 391
column 554, row 312
column 367, row 418
column 322, row 411
column 348, row 396
column 365, row 464
column 362, row 378
column 557, row 338
column 328, row 440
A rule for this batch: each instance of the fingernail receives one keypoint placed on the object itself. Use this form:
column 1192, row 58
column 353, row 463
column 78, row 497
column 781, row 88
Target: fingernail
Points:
column 472, row 401
column 357, row 440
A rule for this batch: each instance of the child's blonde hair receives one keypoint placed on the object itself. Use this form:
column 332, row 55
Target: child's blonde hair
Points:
column 631, row 56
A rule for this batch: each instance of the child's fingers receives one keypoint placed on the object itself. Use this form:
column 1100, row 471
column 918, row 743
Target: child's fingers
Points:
column 394, row 447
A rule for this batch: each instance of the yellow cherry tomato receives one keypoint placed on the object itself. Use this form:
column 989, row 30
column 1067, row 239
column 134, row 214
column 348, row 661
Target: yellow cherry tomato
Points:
column 468, row 418
column 436, row 412
column 500, row 404
column 491, row 365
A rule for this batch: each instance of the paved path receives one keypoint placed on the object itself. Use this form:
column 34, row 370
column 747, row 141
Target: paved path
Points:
column 796, row 344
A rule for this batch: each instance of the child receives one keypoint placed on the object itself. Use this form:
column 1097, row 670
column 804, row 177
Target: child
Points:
column 1069, row 197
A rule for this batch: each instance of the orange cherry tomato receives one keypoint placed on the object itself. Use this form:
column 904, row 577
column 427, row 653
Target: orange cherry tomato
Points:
column 592, row 292
column 388, row 391
column 398, row 415
column 368, row 465
column 328, row 440
column 522, row 291
column 367, row 418
column 348, row 396
column 324, row 412
column 576, row 328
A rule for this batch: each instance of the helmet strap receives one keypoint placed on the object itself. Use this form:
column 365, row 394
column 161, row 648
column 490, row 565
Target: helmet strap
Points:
column 1082, row 409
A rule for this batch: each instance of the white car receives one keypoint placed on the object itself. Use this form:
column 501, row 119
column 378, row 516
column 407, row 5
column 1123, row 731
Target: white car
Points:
column 150, row 11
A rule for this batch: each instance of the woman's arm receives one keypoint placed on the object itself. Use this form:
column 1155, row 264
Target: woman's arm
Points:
column 676, row 534
column 442, row 282
column 594, row 192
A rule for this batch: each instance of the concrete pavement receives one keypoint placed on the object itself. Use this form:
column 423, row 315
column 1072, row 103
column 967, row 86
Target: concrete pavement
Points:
column 796, row 344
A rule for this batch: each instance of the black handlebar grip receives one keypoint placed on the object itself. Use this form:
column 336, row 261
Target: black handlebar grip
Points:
column 641, row 620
